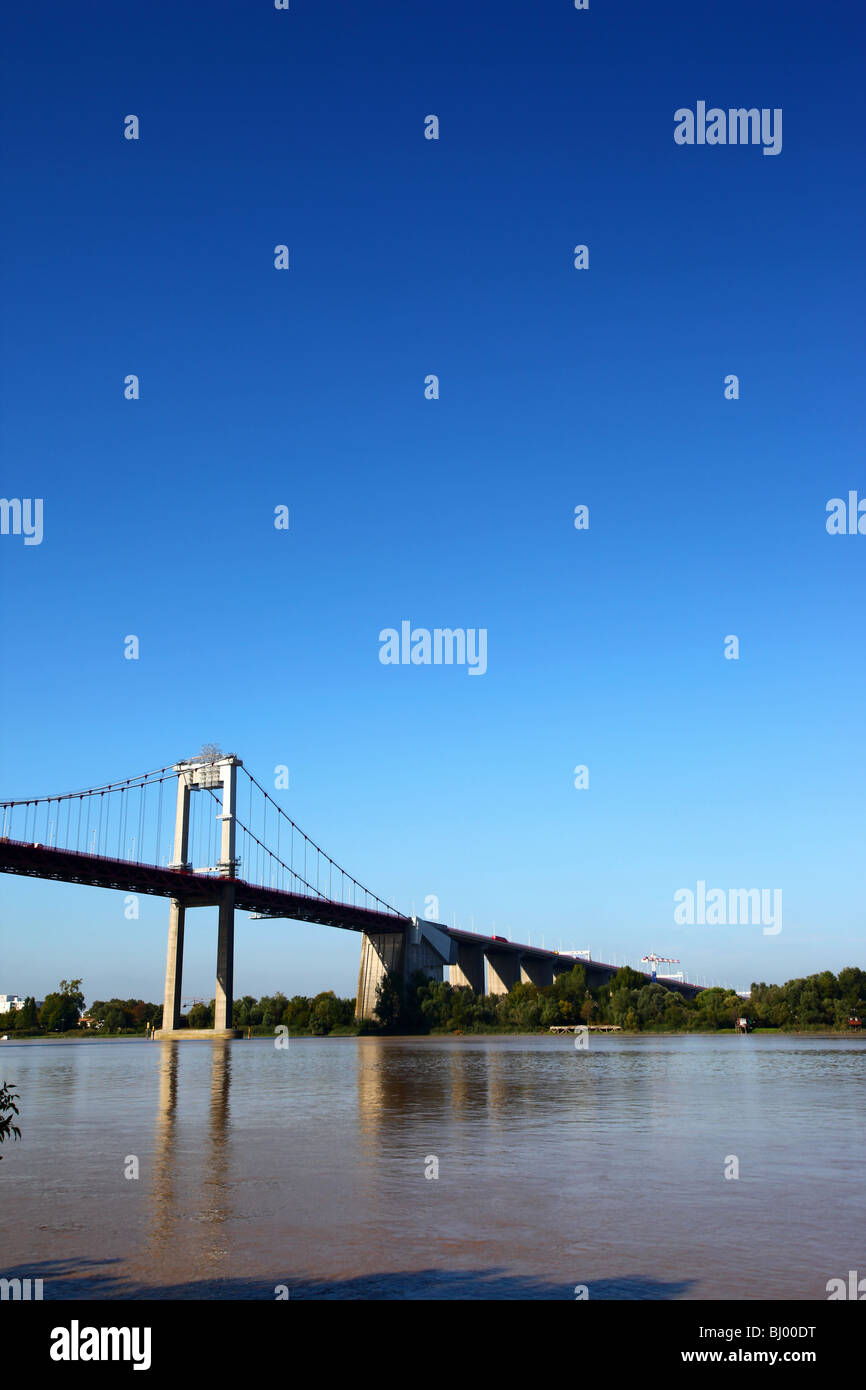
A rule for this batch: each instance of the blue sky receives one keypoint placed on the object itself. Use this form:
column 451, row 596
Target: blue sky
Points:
column 557, row 387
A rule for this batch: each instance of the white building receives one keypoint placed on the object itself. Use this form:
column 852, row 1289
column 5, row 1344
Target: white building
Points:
column 10, row 1002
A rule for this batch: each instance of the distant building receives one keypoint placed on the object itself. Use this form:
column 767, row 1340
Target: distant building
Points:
column 10, row 1002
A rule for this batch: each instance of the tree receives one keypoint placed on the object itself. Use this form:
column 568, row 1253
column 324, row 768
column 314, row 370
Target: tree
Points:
column 626, row 978
column 296, row 1014
column 412, row 1017
column 622, row 1003
column 278, row 1005
column 440, row 1005
column 62, row 1009
column 325, row 1013
column 28, row 1015
column 852, row 989
column 242, row 1011
column 676, row 1011
column 650, row 1003
column 71, row 989
column 200, row 1016
column 389, row 1001
column 572, row 984
column 8, row 1108
column 549, row 1013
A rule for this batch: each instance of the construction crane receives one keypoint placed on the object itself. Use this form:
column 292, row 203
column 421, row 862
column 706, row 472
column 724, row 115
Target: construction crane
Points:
column 655, row 960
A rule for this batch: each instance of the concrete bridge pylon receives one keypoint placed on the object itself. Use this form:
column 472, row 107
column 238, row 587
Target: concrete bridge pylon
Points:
column 419, row 946
column 204, row 774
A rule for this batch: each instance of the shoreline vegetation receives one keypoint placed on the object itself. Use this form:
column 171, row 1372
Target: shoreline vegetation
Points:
column 818, row 1004
column 81, row 1035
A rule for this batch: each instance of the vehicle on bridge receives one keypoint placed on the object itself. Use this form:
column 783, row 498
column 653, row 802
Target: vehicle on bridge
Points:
column 499, row 938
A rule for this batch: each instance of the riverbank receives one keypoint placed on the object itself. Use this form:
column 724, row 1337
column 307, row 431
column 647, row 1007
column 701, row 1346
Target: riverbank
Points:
column 257, row 1034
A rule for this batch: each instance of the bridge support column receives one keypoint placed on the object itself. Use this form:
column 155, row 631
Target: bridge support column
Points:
column 225, row 972
column 173, row 965
column 503, row 971
column 204, row 774
column 418, row 948
column 380, row 952
column 469, row 969
column 536, row 970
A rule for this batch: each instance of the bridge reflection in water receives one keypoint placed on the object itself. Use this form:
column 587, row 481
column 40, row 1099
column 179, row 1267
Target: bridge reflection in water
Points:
column 197, row 1225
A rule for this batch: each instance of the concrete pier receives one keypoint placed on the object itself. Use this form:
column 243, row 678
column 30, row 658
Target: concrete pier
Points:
column 196, row 1034
column 418, row 947
column 535, row 970
column 173, row 966
column 469, row 967
column 225, row 971
column 503, row 971
column 380, row 952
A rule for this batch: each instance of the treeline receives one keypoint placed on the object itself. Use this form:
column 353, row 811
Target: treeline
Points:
column 125, row 1015
column 819, row 1002
column 323, row 1014
column 64, row 1012
column 60, row 1011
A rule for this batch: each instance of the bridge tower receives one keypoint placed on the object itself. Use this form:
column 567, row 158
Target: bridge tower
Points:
column 204, row 773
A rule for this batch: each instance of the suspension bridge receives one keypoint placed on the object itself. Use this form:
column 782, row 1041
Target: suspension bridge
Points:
column 205, row 833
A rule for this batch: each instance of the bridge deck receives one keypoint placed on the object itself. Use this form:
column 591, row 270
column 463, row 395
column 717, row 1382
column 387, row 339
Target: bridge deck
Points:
column 193, row 890
column 206, row 890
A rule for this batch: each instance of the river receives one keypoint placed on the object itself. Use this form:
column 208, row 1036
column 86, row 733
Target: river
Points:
column 310, row 1170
